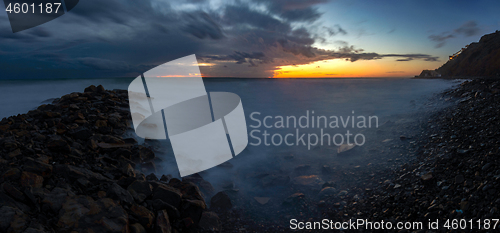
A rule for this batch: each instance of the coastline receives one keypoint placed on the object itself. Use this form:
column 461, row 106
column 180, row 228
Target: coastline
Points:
column 68, row 163
column 456, row 172
column 66, row 166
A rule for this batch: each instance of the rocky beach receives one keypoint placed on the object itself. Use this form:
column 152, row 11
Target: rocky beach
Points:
column 68, row 167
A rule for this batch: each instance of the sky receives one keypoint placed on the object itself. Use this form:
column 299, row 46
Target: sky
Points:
column 247, row 38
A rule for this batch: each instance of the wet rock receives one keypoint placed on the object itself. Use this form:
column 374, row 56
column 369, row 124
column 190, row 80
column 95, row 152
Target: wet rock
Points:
column 57, row 144
column 309, row 182
column 137, row 228
column 128, row 170
column 326, row 169
column 486, row 167
column 162, row 222
column 426, row 176
column 168, row 195
column 294, row 199
column 37, row 167
column 82, row 213
column 140, row 190
column 192, row 209
column 165, row 178
column 143, row 215
column 158, row 204
column 55, row 199
column 152, row 176
column 12, row 219
column 210, row 222
column 206, row 188
column 327, row 192
column 118, row 193
column 302, row 168
column 459, row 179
column 143, row 154
column 12, row 174
column 74, row 173
column 342, row 193
column 14, row 153
column 91, row 88
column 148, row 167
column 13, row 192
column 275, row 179
column 221, row 201
column 29, row 179
column 81, row 133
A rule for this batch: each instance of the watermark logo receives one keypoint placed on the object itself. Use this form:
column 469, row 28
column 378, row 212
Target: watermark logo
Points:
column 26, row 14
column 316, row 127
column 205, row 129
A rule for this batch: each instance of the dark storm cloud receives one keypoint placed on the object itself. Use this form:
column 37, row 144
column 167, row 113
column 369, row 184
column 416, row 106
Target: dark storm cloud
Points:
column 242, row 15
column 469, row 28
column 105, row 38
column 202, row 25
column 126, row 37
column 307, row 14
column 102, row 64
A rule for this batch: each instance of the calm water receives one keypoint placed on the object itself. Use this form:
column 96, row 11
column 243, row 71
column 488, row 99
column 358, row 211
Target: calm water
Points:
column 384, row 98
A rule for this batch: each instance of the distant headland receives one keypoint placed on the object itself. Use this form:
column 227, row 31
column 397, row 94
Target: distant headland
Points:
column 478, row 59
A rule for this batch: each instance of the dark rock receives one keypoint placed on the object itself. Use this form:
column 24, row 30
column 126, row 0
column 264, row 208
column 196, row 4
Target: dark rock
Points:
column 221, row 201
column 168, row 194
column 309, row 182
column 143, row 215
column 140, row 190
column 37, row 167
column 486, row 167
column 327, row 192
column 29, row 179
column 116, row 192
column 210, row 222
column 152, row 176
column 143, row 153
column 137, row 228
column 294, row 199
column 91, row 88
column 81, row 133
column 13, row 192
column 165, row 178
column 74, row 173
column 57, row 144
column 12, row 174
column 459, row 179
column 158, row 204
column 55, row 199
column 12, row 219
column 162, row 222
column 192, row 209
column 82, row 213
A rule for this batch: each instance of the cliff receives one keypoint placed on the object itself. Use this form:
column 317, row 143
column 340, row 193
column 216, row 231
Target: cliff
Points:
column 479, row 59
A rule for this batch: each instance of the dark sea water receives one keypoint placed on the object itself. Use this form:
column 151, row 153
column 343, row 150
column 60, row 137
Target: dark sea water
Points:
column 386, row 99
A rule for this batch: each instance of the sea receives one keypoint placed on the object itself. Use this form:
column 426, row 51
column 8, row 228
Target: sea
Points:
column 352, row 109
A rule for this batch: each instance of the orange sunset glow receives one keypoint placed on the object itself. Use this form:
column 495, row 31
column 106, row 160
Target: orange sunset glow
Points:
column 337, row 68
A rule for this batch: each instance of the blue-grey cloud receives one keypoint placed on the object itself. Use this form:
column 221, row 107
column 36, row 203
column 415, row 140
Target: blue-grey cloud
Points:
column 469, row 28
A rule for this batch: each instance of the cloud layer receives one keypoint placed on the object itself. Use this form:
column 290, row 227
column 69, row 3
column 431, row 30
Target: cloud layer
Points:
column 469, row 28
column 127, row 37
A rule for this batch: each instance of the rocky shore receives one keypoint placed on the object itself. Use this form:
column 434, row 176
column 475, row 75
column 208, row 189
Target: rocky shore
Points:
column 455, row 174
column 67, row 167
